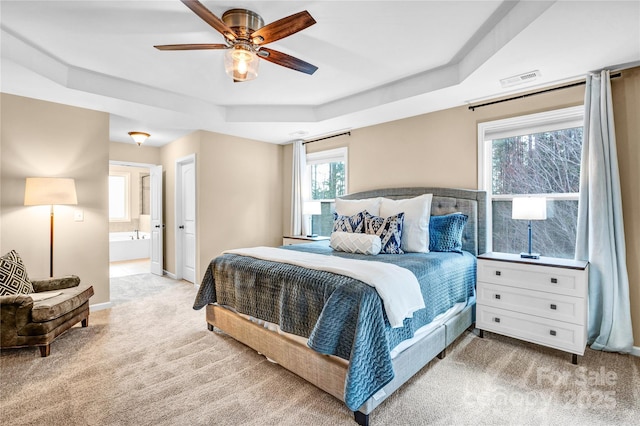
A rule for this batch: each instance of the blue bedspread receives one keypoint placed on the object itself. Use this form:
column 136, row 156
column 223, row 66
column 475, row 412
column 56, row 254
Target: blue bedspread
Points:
column 340, row 316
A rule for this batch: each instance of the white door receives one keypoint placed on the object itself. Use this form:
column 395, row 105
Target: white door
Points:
column 186, row 218
column 156, row 220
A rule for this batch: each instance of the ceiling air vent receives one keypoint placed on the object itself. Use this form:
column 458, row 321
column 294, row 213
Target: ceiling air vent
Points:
column 520, row 79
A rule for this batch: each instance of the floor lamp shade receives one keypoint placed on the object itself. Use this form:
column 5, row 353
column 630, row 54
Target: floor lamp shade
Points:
column 50, row 191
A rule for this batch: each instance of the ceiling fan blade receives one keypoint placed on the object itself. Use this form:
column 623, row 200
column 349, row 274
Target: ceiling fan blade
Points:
column 191, row 46
column 285, row 60
column 282, row 28
column 211, row 19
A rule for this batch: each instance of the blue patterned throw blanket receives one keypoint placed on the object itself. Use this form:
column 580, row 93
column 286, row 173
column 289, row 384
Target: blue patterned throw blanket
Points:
column 339, row 315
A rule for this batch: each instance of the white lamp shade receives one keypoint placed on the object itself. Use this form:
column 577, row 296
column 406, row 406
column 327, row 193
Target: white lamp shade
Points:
column 529, row 208
column 312, row 207
column 50, row 191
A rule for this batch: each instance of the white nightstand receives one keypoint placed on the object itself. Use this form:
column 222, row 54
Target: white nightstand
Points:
column 301, row 239
column 542, row 301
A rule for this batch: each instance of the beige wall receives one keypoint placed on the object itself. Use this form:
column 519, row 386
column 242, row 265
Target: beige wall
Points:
column 239, row 196
column 626, row 107
column 440, row 149
column 132, row 153
column 47, row 139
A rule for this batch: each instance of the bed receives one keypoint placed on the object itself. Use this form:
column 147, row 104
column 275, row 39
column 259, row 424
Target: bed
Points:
column 341, row 339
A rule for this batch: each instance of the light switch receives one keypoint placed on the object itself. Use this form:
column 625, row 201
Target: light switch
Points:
column 78, row 216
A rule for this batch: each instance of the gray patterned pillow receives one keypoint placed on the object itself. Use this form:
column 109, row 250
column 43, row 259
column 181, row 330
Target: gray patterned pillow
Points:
column 388, row 229
column 352, row 224
column 13, row 275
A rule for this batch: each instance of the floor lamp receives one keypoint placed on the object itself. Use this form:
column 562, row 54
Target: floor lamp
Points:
column 50, row 191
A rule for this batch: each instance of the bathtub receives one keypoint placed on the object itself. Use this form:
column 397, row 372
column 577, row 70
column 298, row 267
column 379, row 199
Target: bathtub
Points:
column 128, row 246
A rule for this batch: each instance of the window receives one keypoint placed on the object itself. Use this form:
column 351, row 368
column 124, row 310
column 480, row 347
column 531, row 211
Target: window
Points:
column 119, row 197
column 145, row 194
column 536, row 154
column 327, row 177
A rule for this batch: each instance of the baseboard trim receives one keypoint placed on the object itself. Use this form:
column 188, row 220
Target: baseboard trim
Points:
column 101, row 306
column 635, row 351
column 170, row 275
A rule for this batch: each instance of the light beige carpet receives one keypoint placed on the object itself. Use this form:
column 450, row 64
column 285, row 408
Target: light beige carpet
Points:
column 152, row 361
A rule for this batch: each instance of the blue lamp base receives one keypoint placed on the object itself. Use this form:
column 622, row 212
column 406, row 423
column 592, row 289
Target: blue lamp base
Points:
column 530, row 255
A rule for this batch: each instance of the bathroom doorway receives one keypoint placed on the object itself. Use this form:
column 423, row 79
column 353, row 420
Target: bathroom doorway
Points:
column 131, row 237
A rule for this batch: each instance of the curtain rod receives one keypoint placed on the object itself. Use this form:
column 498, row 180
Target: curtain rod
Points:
column 526, row 95
column 326, row 137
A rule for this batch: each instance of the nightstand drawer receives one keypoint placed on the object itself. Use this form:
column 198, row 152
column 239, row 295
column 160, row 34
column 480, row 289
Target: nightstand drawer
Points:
column 566, row 281
column 555, row 334
column 547, row 305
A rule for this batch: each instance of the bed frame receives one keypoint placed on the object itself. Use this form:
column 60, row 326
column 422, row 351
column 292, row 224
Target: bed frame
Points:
column 329, row 372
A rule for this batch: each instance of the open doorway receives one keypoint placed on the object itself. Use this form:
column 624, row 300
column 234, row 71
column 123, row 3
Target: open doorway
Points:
column 132, row 241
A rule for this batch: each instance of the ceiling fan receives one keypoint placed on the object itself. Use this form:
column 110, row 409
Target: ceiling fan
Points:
column 245, row 36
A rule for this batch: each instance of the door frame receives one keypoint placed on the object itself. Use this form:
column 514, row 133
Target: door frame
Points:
column 179, row 241
column 143, row 165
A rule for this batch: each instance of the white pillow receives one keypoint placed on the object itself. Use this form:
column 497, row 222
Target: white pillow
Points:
column 355, row 243
column 351, row 207
column 417, row 211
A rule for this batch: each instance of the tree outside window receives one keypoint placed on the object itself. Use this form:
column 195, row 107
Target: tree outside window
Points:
column 544, row 162
column 327, row 173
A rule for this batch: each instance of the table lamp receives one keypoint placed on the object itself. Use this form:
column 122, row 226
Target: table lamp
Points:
column 529, row 208
column 310, row 208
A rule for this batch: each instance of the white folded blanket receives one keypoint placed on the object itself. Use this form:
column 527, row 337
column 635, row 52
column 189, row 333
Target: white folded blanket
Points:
column 397, row 286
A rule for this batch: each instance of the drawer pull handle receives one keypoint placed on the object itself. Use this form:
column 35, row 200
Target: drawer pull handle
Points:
column 496, row 319
column 553, row 306
column 498, row 273
column 554, row 280
column 497, row 296
column 552, row 332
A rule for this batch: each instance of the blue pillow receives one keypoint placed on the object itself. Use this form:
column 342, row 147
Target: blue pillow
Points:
column 388, row 229
column 352, row 224
column 445, row 232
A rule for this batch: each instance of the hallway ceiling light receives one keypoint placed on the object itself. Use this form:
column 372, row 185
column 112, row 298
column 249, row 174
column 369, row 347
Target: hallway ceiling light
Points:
column 139, row 137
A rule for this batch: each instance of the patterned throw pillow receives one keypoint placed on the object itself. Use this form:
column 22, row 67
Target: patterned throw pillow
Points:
column 445, row 232
column 13, row 275
column 388, row 229
column 353, row 224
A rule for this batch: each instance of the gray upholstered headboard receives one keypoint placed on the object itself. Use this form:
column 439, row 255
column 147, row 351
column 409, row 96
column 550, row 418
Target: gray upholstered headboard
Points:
column 446, row 200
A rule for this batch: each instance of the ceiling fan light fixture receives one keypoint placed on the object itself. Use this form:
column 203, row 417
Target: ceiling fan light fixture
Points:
column 245, row 34
column 241, row 63
column 139, row 137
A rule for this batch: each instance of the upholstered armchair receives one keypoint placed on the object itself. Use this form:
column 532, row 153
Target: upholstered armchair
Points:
column 37, row 318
